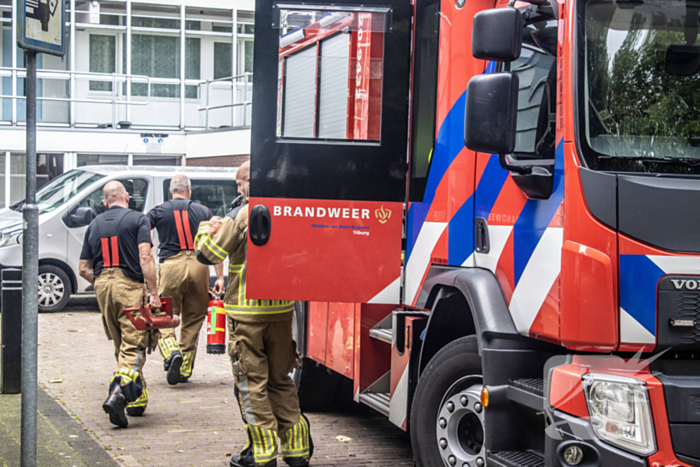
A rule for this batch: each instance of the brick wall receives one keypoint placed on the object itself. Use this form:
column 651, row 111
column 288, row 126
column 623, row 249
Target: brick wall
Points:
column 220, row 161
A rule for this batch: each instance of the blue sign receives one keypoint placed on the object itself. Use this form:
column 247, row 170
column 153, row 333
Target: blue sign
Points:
column 41, row 26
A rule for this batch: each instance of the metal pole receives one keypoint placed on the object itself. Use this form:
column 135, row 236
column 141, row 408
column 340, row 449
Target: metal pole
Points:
column 128, row 60
column 71, row 58
column 234, row 64
column 30, row 262
column 206, row 112
column 183, row 59
column 15, row 15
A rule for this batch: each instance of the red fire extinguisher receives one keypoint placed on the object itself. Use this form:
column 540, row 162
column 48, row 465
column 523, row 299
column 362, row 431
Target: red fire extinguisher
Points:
column 216, row 327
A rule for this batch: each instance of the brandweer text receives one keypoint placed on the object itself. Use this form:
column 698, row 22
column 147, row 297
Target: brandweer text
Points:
column 337, row 213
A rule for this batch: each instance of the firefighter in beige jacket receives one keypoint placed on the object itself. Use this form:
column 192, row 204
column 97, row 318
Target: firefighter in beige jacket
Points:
column 260, row 346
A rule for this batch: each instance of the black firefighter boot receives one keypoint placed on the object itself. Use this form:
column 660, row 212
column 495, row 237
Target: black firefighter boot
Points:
column 301, row 439
column 246, row 459
column 172, row 365
column 115, row 404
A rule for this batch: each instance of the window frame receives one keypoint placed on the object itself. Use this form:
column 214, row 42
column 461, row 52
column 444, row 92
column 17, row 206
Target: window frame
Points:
column 167, row 196
column 101, row 187
column 516, row 157
column 118, row 60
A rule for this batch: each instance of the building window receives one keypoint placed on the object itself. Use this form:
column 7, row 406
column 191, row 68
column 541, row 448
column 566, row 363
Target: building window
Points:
column 222, row 60
column 159, row 57
column 102, row 59
column 246, row 65
column 157, row 160
column 101, row 159
column 48, row 167
column 18, row 171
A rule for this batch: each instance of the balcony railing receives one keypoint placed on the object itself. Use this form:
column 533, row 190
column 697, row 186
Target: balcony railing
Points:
column 232, row 83
column 86, row 107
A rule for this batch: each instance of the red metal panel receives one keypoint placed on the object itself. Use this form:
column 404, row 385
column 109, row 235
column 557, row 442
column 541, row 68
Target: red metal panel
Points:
column 340, row 341
column 597, row 319
column 345, row 251
column 589, row 322
column 316, row 331
column 566, row 391
column 374, row 356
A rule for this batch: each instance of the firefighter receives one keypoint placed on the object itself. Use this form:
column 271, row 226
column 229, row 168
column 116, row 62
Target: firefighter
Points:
column 117, row 259
column 261, row 349
column 182, row 277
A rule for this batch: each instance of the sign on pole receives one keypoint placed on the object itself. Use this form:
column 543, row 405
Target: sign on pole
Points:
column 41, row 26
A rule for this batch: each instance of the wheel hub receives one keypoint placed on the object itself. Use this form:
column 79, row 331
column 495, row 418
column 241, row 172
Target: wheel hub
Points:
column 460, row 429
column 51, row 289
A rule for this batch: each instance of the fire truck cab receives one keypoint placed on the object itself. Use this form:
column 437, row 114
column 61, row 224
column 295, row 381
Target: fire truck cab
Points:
column 490, row 210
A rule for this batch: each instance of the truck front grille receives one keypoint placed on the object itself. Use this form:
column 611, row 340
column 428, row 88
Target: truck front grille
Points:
column 678, row 313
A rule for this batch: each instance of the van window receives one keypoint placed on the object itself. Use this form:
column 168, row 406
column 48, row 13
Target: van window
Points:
column 136, row 187
column 217, row 195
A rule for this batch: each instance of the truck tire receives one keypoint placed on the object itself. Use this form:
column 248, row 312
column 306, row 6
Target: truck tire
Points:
column 447, row 424
column 54, row 288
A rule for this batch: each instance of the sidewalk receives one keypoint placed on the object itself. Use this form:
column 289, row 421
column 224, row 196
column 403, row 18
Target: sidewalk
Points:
column 61, row 441
column 193, row 424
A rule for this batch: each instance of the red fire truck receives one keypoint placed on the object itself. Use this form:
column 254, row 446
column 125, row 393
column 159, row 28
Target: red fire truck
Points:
column 491, row 213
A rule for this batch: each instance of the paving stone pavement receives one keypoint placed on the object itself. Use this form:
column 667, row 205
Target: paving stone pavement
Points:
column 192, row 424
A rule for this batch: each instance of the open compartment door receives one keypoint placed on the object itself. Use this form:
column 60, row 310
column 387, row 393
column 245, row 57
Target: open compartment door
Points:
column 329, row 150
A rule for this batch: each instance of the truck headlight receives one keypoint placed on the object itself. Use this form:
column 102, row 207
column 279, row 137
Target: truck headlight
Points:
column 9, row 238
column 619, row 410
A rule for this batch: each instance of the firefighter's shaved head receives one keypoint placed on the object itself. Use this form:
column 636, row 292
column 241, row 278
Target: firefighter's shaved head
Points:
column 243, row 179
column 115, row 195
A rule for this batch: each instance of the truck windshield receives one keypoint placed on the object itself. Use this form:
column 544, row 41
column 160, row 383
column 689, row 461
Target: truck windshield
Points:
column 61, row 189
column 640, row 93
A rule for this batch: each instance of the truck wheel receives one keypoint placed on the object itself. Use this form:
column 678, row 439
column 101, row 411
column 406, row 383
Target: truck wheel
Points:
column 54, row 288
column 447, row 419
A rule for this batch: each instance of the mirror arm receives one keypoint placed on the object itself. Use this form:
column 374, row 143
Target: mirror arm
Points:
column 518, row 169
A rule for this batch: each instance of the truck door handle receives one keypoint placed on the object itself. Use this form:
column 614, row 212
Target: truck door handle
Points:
column 481, row 236
column 260, row 225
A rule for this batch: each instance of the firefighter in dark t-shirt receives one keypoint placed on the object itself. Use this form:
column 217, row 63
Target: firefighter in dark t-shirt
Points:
column 181, row 276
column 117, row 259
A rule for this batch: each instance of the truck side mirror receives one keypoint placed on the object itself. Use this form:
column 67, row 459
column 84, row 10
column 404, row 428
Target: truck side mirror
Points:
column 81, row 217
column 491, row 113
column 682, row 60
column 497, row 34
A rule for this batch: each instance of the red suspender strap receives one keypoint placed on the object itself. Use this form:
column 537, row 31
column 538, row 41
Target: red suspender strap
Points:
column 105, row 253
column 188, row 230
column 178, row 226
column 115, row 252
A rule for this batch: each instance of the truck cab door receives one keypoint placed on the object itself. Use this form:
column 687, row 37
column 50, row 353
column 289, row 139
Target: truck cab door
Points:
column 328, row 150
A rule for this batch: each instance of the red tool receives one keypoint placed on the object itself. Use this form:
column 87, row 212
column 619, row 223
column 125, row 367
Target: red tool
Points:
column 147, row 322
column 216, row 327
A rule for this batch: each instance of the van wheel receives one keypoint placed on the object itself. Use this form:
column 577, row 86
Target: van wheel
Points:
column 447, row 420
column 54, row 289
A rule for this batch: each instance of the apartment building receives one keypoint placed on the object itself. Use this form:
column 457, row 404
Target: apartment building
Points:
column 142, row 83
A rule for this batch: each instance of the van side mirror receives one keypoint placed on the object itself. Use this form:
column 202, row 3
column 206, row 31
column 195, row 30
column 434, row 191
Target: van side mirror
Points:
column 81, row 217
column 491, row 113
column 497, row 34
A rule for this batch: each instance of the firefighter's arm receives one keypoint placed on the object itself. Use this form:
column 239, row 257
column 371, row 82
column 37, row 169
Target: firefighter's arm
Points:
column 148, row 267
column 85, row 269
column 219, row 284
column 217, row 238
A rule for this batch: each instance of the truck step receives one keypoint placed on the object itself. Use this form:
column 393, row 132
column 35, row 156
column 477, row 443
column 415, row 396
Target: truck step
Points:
column 383, row 330
column 515, row 459
column 527, row 392
column 384, row 335
column 379, row 401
